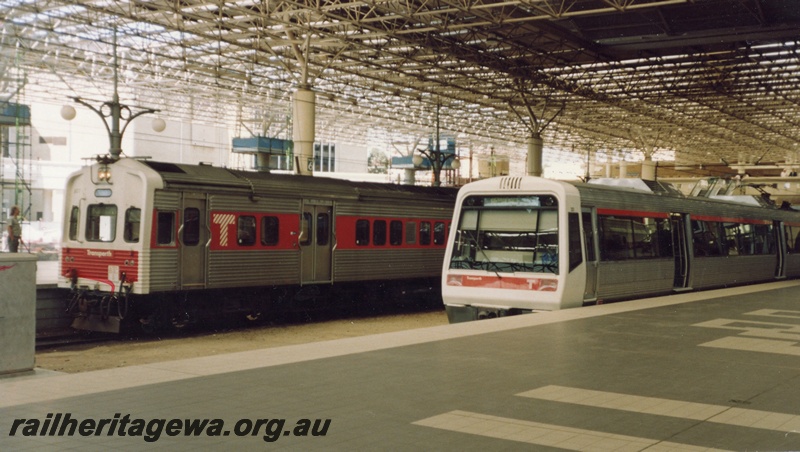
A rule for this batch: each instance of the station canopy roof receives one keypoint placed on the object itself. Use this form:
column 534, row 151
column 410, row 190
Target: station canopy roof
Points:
column 705, row 80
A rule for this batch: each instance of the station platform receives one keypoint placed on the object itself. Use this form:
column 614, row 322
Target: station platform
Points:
column 713, row 370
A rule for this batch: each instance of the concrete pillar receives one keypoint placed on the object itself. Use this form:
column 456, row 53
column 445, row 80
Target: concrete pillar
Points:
column 17, row 312
column 648, row 169
column 303, row 130
column 535, row 146
column 623, row 169
column 409, row 176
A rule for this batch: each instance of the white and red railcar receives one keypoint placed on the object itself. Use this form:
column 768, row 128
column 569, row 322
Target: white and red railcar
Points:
column 160, row 243
column 525, row 244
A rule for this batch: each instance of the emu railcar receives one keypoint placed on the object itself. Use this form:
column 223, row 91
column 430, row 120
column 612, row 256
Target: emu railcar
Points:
column 161, row 243
column 523, row 244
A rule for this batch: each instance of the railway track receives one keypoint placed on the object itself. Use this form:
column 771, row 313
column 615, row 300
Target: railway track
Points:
column 64, row 338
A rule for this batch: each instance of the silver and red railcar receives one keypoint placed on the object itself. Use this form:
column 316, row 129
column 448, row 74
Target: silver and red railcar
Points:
column 161, row 243
column 525, row 244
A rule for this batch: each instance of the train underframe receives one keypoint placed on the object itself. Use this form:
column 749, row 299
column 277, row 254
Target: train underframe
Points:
column 124, row 312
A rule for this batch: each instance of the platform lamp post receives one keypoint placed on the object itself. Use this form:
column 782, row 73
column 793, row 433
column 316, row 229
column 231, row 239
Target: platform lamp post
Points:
column 117, row 112
column 435, row 156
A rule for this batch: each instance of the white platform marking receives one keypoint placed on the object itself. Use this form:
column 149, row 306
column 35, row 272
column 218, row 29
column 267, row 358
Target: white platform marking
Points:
column 547, row 434
column 719, row 414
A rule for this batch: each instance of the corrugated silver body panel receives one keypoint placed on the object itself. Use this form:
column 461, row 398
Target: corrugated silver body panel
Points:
column 167, row 200
column 162, row 271
column 262, row 204
column 634, row 278
column 253, row 268
column 362, row 265
column 377, row 209
column 718, row 271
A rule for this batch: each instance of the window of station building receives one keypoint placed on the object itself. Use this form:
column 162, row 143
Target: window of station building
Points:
column 269, row 231
column 133, row 221
column 623, row 238
column 101, row 223
column 379, row 232
column 362, row 232
column 191, row 226
column 425, row 233
column 73, row 222
column 165, row 228
column 411, row 233
column 396, row 233
column 246, row 230
column 439, row 233
column 323, row 229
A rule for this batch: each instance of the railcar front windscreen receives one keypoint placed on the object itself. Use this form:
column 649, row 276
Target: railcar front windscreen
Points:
column 507, row 234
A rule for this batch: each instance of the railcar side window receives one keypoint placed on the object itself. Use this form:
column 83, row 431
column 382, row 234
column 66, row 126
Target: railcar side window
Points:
column 246, row 230
column 792, row 234
column 101, row 223
column 589, row 233
column 165, row 224
column 305, row 229
column 191, row 226
column 362, row 232
column 705, row 238
column 133, row 220
column 396, row 233
column 411, row 233
column 575, row 254
column 379, row 233
column 623, row 238
column 439, row 235
column 269, row 231
column 73, row 222
column 424, row 233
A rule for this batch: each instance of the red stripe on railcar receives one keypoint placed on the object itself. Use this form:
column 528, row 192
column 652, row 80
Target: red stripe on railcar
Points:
column 93, row 263
column 346, row 232
column 506, row 282
column 729, row 219
column 632, row 213
column 225, row 233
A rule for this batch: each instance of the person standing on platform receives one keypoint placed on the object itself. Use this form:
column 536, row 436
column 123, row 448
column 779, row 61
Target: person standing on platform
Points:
column 14, row 230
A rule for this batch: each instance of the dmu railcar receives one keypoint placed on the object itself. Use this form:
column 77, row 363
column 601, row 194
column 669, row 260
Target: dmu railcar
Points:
column 525, row 244
column 160, row 244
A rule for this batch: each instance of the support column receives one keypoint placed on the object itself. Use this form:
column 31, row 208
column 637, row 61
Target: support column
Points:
column 648, row 168
column 409, row 177
column 535, row 146
column 303, row 130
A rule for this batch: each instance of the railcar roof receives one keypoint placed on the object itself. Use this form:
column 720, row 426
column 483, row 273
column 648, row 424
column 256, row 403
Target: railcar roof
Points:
column 212, row 176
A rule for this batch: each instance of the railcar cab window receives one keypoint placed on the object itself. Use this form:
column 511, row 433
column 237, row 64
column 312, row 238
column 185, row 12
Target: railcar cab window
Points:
column 507, row 234
column 74, row 215
column 101, row 223
column 439, row 233
column 133, row 221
